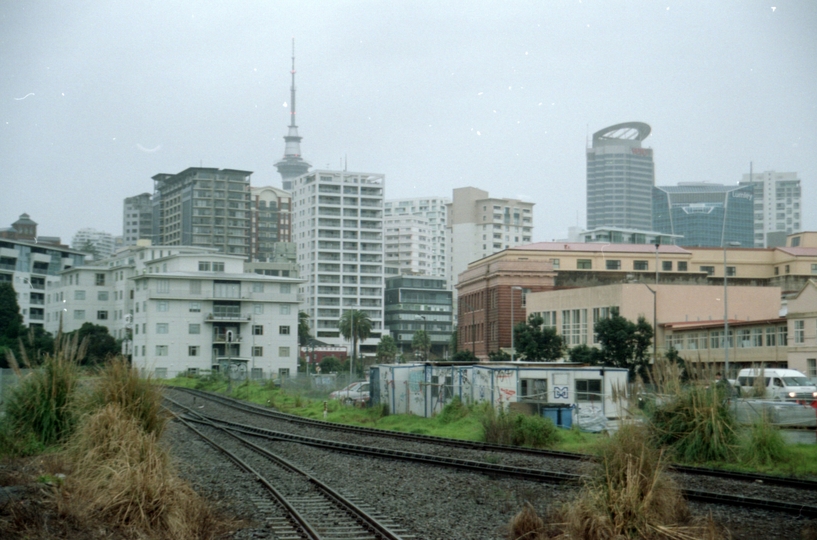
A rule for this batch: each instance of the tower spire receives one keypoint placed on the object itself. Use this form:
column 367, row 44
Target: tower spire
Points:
column 292, row 165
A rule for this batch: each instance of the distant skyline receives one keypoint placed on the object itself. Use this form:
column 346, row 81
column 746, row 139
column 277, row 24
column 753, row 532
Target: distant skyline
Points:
column 98, row 97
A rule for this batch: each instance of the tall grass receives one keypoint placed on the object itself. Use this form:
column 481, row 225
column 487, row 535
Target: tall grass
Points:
column 140, row 398
column 39, row 412
column 764, row 446
column 500, row 427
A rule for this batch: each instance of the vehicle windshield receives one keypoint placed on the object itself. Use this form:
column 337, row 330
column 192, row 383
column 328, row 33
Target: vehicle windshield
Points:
column 796, row 381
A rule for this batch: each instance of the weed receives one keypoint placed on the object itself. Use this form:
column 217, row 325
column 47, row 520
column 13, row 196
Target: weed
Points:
column 526, row 525
column 501, row 427
column 764, row 446
column 453, row 411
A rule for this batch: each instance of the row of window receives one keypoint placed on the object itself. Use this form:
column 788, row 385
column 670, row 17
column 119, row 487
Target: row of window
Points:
column 742, row 338
column 195, row 350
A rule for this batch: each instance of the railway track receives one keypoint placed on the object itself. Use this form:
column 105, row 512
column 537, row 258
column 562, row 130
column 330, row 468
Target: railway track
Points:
column 497, row 470
column 300, row 506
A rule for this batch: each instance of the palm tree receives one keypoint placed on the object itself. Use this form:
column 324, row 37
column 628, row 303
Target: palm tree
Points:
column 303, row 328
column 354, row 326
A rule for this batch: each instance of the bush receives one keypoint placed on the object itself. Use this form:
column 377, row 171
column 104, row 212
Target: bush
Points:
column 764, row 446
column 696, row 424
column 518, row 429
column 453, row 411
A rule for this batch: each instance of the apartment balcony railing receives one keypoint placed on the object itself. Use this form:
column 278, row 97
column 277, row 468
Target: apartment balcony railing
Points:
column 226, row 316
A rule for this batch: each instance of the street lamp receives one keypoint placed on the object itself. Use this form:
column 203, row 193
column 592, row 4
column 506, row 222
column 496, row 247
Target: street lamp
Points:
column 513, row 321
column 425, row 334
column 726, row 312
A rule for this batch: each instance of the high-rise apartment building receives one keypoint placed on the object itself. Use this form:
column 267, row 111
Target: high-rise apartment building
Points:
column 419, row 303
column 705, row 215
column 271, row 221
column 480, row 225
column 429, row 256
column 777, row 209
column 292, row 165
column 203, row 207
column 97, row 243
column 137, row 219
column 620, row 178
column 337, row 226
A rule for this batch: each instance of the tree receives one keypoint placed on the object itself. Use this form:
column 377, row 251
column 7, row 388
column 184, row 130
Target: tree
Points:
column 464, row 355
column 452, row 343
column 330, row 364
column 303, row 328
column 537, row 342
column 355, row 326
column 386, row 349
column 421, row 342
column 624, row 343
column 11, row 322
column 101, row 344
column 499, row 356
column 583, row 354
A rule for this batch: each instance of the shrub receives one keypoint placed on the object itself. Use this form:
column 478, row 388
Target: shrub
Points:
column 500, row 427
column 764, row 445
column 696, row 424
column 496, row 426
column 453, row 411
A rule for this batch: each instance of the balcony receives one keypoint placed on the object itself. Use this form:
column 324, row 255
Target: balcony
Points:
column 222, row 338
column 226, row 316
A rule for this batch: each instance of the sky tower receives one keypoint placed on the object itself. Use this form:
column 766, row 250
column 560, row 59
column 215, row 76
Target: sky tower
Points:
column 292, row 165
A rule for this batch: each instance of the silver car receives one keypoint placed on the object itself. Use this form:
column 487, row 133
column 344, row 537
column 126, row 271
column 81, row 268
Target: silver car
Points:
column 355, row 393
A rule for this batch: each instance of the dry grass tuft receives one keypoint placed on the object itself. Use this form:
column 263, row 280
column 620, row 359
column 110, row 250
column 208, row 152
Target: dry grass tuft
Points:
column 526, row 525
column 123, row 478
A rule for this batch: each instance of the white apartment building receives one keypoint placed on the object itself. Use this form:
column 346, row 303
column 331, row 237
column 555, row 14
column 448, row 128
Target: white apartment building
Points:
column 337, row 226
column 777, row 206
column 480, row 225
column 137, row 219
column 99, row 243
column 183, row 309
column 408, row 245
column 434, row 211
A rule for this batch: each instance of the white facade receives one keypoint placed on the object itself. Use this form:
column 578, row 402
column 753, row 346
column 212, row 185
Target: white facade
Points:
column 777, row 205
column 480, row 225
column 137, row 219
column 100, row 242
column 181, row 309
column 337, row 225
column 408, row 245
column 433, row 259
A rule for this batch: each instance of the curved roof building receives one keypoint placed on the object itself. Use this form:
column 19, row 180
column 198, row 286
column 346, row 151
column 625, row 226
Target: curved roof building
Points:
column 620, row 178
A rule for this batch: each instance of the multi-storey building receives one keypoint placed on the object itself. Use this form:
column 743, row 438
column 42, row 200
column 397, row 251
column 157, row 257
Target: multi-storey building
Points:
column 97, row 243
column 434, row 211
column 419, row 303
column 183, row 309
column 705, row 215
column 620, row 178
column 480, row 225
column 777, row 210
column 408, row 245
column 137, row 219
column 203, row 207
column 337, row 226
column 271, row 221
column 29, row 266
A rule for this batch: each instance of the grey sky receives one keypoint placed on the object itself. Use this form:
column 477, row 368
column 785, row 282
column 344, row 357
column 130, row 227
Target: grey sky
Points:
column 97, row 97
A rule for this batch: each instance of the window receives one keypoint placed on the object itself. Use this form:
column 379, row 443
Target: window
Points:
column 554, row 262
column 258, row 309
column 99, row 279
column 682, row 266
column 613, row 264
column 194, row 328
column 588, row 390
column 79, row 314
column 283, row 330
column 284, row 309
column 258, row 330
column 283, row 352
column 162, row 285
column 162, row 328
column 102, row 315
column 584, row 264
column 731, row 271
column 226, row 289
column 218, row 267
column 257, row 287
column 283, row 373
column 533, row 389
column 258, row 351
column 709, row 270
column 194, row 307
column 193, row 350
column 79, row 295
column 788, row 269
column 783, row 336
column 641, row 265
column 195, row 287
column 799, row 331
column 771, row 337
column 161, row 350
column 666, row 266
column 811, row 368
column 162, row 305
column 285, row 288
column 814, row 268
column 204, row 266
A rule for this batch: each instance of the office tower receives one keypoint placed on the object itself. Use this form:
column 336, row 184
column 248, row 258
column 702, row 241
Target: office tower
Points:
column 203, row 207
column 337, row 226
column 706, row 215
column 777, row 210
column 419, row 303
column 271, row 222
column 292, row 165
column 97, row 243
column 480, row 225
column 137, row 219
column 431, row 255
column 620, row 178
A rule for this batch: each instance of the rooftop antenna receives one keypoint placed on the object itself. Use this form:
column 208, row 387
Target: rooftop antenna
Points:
column 345, row 163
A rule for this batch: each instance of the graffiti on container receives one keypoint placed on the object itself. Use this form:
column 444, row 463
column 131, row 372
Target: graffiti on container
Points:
column 415, row 378
column 503, row 374
column 507, row 393
column 560, row 392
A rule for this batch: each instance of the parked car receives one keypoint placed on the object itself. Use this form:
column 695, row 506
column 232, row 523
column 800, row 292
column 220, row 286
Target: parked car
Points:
column 355, row 393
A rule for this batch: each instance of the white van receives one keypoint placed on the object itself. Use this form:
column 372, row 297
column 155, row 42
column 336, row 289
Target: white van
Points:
column 780, row 384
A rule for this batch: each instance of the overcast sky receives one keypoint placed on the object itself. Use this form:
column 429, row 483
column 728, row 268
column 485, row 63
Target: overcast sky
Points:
column 97, row 97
